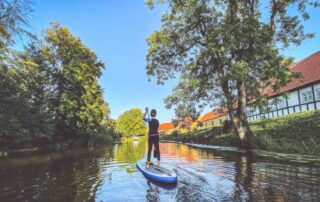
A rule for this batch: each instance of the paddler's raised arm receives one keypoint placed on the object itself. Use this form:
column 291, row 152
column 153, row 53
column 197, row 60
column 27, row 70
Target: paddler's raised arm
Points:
column 145, row 114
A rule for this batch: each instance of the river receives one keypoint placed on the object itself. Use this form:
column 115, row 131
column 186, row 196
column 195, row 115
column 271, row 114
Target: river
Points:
column 109, row 174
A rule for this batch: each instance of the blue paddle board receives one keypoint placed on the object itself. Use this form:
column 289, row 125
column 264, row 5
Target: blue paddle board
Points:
column 157, row 173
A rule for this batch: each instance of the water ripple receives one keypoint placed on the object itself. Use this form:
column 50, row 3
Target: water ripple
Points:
column 204, row 174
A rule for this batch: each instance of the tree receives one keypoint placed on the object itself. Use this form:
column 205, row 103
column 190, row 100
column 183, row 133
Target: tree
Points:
column 109, row 124
column 225, row 52
column 185, row 116
column 51, row 88
column 130, row 123
column 23, row 114
column 72, row 71
column 13, row 20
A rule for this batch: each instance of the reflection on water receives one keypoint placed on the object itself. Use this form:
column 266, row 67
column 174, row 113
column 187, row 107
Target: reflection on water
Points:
column 109, row 174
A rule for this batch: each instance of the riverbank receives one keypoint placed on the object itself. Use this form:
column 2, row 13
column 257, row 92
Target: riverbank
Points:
column 296, row 133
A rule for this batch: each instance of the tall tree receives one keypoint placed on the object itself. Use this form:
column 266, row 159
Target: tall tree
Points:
column 72, row 69
column 226, row 51
column 24, row 114
column 130, row 123
column 19, row 114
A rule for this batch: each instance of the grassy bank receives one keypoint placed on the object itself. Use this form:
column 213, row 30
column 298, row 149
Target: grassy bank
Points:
column 295, row 133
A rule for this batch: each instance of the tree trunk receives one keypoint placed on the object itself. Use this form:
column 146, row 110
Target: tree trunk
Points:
column 240, row 122
column 242, row 130
column 238, row 117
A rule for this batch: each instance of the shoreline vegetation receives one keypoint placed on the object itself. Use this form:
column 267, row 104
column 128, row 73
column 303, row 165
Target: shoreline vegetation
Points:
column 53, row 100
column 296, row 134
column 50, row 96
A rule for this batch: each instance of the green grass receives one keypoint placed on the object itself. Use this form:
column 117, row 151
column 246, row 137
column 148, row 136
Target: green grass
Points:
column 295, row 133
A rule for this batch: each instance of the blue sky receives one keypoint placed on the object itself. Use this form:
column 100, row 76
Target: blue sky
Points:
column 117, row 30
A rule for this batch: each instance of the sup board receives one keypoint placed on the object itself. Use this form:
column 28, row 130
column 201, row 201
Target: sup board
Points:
column 157, row 173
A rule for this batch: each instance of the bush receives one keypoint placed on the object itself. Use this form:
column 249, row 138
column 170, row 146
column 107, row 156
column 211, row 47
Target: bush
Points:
column 295, row 133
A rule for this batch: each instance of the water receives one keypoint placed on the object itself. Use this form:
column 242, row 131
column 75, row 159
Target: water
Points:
column 109, row 174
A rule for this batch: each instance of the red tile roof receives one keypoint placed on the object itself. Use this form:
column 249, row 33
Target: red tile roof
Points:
column 166, row 126
column 211, row 115
column 310, row 70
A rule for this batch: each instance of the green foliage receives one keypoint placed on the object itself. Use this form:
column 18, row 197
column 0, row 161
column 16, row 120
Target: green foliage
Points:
column 295, row 133
column 72, row 70
column 13, row 20
column 110, row 126
column 49, row 92
column 24, row 113
column 225, row 52
column 130, row 123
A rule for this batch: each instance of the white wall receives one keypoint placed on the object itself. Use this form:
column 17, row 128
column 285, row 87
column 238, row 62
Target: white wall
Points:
column 293, row 98
column 306, row 96
column 317, row 92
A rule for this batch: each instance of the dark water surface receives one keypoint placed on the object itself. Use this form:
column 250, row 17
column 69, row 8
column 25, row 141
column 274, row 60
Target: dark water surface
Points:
column 109, row 174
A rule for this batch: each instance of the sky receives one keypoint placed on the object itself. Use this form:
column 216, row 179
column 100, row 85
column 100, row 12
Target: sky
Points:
column 117, row 30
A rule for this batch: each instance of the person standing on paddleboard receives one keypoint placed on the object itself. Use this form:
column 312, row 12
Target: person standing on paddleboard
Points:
column 153, row 135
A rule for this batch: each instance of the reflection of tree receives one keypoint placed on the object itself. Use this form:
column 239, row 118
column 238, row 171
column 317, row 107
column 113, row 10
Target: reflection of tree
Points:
column 90, row 175
column 130, row 152
column 243, row 176
column 72, row 175
column 271, row 181
column 78, row 175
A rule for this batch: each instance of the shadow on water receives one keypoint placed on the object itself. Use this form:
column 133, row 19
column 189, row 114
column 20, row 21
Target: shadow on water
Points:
column 63, row 176
column 109, row 174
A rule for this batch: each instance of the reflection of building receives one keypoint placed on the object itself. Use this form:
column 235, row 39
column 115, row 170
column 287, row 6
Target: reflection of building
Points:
column 166, row 128
column 213, row 119
column 179, row 150
column 302, row 94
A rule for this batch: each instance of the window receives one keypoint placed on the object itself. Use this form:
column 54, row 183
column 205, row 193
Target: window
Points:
column 317, row 93
column 220, row 120
column 306, row 97
column 212, row 123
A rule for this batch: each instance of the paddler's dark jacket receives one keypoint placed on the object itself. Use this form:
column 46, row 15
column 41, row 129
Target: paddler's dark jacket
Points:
column 153, row 126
